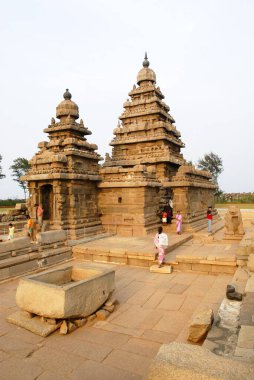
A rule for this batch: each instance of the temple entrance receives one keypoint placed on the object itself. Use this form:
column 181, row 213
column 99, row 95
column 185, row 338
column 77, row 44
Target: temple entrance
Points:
column 47, row 201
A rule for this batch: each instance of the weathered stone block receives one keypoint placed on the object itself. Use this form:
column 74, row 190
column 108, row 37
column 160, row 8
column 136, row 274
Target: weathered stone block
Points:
column 51, row 237
column 200, row 325
column 177, row 361
column 15, row 245
column 201, row 267
column 227, row 269
column 166, row 269
column 102, row 314
column 35, row 325
column 75, row 291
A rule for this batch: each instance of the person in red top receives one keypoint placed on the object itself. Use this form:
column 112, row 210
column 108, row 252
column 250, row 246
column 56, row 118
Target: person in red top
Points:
column 209, row 218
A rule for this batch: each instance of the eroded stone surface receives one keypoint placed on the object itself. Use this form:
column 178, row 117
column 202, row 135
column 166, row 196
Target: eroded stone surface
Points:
column 35, row 324
column 177, row 361
column 200, row 325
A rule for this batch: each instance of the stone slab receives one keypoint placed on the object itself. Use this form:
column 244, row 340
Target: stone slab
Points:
column 246, row 337
column 35, row 325
column 14, row 245
column 200, row 325
column 166, row 269
column 51, row 237
column 177, row 361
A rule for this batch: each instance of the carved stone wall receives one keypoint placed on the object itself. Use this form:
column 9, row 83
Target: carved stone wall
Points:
column 64, row 175
column 129, row 200
column 193, row 193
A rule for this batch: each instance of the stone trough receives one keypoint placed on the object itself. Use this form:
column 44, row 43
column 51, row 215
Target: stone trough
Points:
column 72, row 292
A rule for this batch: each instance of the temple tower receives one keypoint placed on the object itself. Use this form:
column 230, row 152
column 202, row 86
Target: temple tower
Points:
column 146, row 134
column 147, row 142
column 64, row 174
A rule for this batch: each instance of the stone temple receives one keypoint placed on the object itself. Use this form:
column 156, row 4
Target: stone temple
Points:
column 128, row 192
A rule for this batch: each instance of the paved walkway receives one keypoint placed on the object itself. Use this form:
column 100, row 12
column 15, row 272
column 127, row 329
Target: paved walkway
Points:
column 153, row 309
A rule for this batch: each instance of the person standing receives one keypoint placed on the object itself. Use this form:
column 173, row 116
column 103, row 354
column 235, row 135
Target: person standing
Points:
column 209, row 219
column 11, row 231
column 169, row 215
column 30, row 227
column 164, row 217
column 171, row 205
column 179, row 221
column 161, row 242
column 39, row 215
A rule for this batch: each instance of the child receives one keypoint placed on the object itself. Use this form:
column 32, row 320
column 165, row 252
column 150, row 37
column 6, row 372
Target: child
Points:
column 160, row 241
column 179, row 220
column 164, row 217
column 11, row 231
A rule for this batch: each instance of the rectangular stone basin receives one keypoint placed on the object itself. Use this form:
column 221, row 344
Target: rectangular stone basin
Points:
column 74, row 291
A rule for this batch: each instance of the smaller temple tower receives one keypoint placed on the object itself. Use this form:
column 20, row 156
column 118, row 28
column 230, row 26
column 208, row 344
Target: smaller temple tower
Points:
column 64, row 175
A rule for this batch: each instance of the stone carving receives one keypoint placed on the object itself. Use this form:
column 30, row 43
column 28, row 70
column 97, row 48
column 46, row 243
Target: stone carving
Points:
column 232, row 294
column 233, row 223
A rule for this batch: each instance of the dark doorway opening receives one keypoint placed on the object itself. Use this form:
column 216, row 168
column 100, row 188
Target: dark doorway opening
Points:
column 47, row 201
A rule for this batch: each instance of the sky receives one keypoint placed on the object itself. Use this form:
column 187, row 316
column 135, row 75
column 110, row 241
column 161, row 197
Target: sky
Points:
column 201, row 51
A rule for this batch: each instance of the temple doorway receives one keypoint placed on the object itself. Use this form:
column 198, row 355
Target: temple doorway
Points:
column 47, row 201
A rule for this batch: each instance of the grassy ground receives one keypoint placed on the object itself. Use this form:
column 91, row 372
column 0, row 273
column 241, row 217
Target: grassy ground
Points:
column 240, row 205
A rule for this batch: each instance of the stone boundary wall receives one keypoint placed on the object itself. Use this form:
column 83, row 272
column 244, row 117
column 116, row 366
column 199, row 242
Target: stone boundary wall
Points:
column 20, row 256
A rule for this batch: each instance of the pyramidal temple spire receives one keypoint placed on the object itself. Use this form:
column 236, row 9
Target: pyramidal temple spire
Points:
column 146, row 63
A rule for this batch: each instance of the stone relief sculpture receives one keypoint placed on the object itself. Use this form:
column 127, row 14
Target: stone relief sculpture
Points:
column 233, row 223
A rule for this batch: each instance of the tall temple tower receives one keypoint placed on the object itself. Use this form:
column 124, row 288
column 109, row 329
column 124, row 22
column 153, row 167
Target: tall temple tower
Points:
column 147, row 167
column 64, row 174
column 147, row 135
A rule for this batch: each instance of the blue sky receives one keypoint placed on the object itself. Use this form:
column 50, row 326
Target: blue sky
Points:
column 201, row 52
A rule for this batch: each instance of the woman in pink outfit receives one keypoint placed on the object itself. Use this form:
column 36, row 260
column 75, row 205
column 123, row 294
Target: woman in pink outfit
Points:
column 161, row 242
column 179, row 220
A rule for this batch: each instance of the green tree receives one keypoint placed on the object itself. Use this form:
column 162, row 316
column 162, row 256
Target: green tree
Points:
column 19, row 168
column 213, row 163
column 1, row 174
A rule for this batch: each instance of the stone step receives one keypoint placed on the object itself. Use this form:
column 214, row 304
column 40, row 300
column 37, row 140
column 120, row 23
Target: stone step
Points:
column 87, row 239
column 138, row 251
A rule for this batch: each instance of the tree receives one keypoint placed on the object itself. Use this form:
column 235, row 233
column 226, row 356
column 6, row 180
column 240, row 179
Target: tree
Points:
column 213, row 163
column 19, row 168
column 1, row 174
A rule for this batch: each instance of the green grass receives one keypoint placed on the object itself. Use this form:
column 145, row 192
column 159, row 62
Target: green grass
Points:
column 240, row 205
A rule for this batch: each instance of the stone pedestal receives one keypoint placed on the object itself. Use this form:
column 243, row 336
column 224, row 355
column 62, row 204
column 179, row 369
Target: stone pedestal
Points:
column 233, row 229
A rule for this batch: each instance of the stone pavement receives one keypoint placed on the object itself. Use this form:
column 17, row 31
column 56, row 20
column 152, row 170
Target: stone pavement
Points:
column 153, row 309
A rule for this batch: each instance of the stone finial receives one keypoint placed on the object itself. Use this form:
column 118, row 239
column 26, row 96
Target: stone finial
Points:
column 67, row 95
column 81, row 122
column 146, row 63
column 53, row 120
